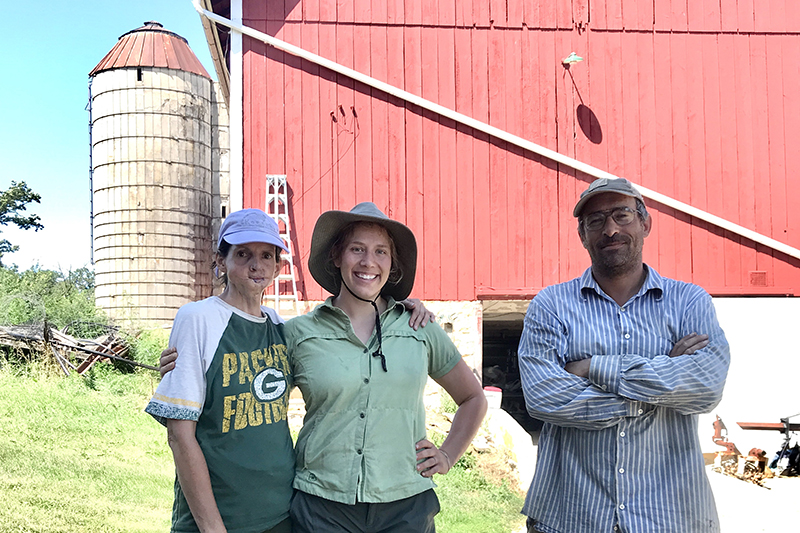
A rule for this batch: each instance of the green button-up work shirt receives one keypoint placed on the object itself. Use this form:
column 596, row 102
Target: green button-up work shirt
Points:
column 361, row 424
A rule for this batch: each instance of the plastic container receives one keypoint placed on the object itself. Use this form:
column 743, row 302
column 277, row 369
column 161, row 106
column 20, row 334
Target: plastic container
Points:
column 494, row 395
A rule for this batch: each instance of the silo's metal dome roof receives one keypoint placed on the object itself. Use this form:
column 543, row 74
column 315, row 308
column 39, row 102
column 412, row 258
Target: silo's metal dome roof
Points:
column 151, row 46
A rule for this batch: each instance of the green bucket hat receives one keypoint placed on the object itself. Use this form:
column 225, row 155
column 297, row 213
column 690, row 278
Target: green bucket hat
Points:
column 331, row 223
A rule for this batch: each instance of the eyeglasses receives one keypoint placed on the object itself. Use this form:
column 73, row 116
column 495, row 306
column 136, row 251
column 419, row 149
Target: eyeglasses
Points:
column 621, row 215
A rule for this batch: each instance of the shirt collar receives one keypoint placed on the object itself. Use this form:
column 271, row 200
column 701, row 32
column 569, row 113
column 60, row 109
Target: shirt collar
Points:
column 390, row 303
column 653, row 282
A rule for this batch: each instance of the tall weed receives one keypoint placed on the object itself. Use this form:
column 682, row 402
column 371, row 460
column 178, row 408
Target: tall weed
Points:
column 146, row 346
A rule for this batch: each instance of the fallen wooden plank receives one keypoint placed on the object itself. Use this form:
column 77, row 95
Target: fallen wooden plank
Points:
column 101, row 354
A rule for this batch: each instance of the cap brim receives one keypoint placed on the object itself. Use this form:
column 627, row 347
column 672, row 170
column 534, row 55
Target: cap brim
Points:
column 582, row 202
column 243, row 237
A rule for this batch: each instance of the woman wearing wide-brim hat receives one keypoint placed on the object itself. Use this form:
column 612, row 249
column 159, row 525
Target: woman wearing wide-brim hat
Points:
column 363, row 462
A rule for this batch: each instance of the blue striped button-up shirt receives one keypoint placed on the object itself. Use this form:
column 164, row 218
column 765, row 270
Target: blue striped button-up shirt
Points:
column 621, row 447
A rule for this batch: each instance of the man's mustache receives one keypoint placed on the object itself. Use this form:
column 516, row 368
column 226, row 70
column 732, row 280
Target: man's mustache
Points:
column 621, row 239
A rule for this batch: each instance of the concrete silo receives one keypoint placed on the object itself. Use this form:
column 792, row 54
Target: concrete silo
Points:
column 150, row 120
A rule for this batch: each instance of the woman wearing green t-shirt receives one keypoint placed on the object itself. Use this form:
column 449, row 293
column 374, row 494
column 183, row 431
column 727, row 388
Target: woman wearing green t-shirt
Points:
column 226, row 402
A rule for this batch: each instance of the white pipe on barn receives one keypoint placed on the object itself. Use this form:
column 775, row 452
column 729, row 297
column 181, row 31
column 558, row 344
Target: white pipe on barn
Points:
column 496, row 132
column 236, row 198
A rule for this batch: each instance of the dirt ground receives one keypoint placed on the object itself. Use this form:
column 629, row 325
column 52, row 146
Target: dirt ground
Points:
column 747, row 508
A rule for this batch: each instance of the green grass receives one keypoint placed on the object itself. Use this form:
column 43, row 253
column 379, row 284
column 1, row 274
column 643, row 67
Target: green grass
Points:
column 470, row 504
column 76, row 459
column 80, row 455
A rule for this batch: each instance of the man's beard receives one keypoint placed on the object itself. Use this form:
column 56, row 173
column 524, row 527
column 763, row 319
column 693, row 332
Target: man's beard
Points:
column 616, row 263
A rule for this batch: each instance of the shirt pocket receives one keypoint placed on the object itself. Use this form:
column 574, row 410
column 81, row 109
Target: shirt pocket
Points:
column 406, row 368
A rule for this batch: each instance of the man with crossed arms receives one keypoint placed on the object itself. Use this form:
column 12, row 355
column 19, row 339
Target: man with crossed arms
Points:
column 618, row 363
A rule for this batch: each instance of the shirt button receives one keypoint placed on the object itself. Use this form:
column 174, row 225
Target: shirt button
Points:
column 621, row 433
column 627, row 335
column 366, row 350
column 312, row 477
column 621, row 470
column 362, row 415
column 366, row 380
column 623, row 309
column 358, row 451
column 641, row 411
column 622, row 506
column 604, row 387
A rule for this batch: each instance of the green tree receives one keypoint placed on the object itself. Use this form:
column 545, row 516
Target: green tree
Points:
column 38, row 294
column 13, row 202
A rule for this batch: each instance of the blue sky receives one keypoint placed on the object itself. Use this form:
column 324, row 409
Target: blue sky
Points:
column 48, row 49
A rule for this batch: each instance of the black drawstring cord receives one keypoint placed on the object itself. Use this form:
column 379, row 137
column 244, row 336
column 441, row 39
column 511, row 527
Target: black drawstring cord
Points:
column 379, row 351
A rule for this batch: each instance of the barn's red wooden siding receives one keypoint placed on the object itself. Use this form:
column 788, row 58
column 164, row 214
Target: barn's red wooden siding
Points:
column 695, row 99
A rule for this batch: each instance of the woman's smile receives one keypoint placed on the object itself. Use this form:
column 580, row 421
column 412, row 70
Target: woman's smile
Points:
column 366, row 261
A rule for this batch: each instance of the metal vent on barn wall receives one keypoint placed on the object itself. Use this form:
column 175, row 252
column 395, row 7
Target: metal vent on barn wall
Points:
column 758, row 278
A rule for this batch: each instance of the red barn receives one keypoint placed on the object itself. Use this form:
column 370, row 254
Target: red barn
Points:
column 695, row 101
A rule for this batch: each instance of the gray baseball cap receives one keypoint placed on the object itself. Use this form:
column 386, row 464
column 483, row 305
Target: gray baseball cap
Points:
column 618, row 186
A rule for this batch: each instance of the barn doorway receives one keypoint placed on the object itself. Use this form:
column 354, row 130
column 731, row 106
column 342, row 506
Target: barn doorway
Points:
column 502, row 328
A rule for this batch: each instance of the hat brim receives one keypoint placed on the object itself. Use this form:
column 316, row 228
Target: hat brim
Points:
column 327, row 229
column 243, row 237
column 582, row 202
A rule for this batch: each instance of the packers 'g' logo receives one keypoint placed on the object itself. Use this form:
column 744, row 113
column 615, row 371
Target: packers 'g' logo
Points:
column 269, row 385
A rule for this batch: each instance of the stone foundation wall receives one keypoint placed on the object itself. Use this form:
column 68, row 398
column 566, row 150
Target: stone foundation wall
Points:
column 462, row 322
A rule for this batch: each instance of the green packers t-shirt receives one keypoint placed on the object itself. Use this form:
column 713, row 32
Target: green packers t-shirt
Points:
column 233, row 378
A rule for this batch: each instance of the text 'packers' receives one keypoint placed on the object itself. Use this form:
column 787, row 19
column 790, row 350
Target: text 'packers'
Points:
column 245, row 366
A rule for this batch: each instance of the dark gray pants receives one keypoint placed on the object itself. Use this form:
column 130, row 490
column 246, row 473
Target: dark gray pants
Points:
column 284, row 526
column 312, row 514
